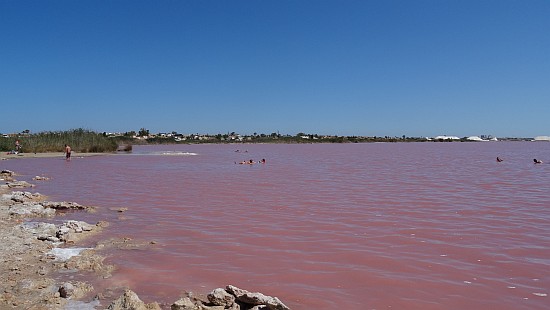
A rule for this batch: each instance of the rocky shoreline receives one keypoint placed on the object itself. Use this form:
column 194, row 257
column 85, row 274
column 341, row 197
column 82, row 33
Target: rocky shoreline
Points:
column 33, row 252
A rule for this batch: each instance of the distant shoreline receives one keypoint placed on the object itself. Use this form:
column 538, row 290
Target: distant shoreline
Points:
column 5, row 155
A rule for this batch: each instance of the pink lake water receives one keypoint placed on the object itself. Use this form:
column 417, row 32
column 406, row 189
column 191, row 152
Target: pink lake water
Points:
column 323, row 226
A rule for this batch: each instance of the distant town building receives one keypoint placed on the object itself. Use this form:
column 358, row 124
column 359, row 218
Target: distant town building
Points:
column 446, row 138
column 475, row 138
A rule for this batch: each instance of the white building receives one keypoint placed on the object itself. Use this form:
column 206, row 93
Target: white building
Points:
column 475, row 138
column 446, row 138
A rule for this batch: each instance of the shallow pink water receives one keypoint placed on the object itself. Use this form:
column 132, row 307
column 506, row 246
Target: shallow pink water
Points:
column 325, row 226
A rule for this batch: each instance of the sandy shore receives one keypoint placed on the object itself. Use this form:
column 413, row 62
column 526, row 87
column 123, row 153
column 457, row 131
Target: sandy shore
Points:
column 38, row 259
column 4, row 156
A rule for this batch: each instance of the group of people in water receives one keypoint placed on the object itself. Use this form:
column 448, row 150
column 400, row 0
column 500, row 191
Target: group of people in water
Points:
column 536, row 161
column 251, row 162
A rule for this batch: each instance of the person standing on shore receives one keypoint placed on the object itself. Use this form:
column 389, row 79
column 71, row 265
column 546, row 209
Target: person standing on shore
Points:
column 67, row 152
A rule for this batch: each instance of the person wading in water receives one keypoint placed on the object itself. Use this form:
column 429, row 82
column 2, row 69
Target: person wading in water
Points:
column 67, row 152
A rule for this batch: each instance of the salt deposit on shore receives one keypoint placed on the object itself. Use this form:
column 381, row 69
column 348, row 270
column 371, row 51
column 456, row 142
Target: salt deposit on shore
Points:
column 32, row 251
column 27, row 265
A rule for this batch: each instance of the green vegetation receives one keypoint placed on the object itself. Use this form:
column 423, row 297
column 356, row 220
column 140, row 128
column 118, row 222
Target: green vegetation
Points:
column 80, row 140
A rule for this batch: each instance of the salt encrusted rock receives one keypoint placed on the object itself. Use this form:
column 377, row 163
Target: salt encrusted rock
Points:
column 74, row 290
column 235, row 291
column 43, row 231
column 203, row 307
column 62, row 205
column 231, row 298
column 65, row 230
column 256, row 299
column 220, row 297
column 25, row 209
column 7, row 175
column 184, row 303
column 40, row 178
column 130, row 301
column 7, row 172
column 66, row 290
column 78, row 226
column 19, row 184
column 20, row 197
column 234, row 306
column 31, row 204
column 38, row 228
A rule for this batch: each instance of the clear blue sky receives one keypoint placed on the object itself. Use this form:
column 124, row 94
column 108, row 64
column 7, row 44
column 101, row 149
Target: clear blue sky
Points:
column 415, row 68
